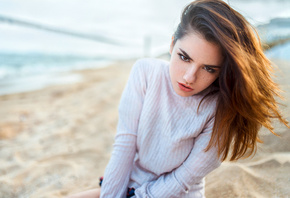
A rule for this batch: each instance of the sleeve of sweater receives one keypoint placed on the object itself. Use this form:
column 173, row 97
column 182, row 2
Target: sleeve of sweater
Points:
column 118, row 170
column 188, row 175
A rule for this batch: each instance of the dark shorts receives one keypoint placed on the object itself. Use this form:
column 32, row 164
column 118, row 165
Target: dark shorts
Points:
column 130, row 191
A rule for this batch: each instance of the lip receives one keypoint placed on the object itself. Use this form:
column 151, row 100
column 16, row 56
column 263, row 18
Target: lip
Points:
column 185, row 88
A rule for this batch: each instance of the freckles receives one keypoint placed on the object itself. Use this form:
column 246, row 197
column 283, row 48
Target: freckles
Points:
column 207, row 79
column 204, row 78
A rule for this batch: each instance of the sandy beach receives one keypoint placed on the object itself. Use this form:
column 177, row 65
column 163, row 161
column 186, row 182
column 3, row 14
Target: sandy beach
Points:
column 57, row 141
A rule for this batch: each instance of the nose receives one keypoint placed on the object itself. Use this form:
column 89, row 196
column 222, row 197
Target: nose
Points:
column 190, row 75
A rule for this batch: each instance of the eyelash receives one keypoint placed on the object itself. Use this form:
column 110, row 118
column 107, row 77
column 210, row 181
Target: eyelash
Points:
column 182, row 57
column 206, row 68
column 209, row 69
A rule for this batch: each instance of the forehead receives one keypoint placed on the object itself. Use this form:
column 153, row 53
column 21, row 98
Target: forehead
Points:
column 199, row 49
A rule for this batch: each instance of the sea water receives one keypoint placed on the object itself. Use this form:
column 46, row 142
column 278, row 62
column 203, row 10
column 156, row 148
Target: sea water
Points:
column 39, row 39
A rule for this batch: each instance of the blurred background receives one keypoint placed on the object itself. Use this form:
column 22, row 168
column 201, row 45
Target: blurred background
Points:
column 63, row 66
column 38, row 38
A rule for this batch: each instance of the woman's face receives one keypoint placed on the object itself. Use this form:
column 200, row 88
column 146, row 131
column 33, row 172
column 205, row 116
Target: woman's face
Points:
column 194, row 65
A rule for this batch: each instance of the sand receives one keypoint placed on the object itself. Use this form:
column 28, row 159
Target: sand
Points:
column 57, row 141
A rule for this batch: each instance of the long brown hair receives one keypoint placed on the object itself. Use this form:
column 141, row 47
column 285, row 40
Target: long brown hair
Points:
column 246, row 91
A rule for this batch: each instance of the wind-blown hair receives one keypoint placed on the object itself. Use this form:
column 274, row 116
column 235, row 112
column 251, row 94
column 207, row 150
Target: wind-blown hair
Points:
column 246, row 91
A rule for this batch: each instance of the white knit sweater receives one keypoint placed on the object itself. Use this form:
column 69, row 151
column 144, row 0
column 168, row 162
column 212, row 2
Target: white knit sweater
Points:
column 160, row 138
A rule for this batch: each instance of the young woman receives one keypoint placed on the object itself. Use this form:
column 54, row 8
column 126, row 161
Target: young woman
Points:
column 179, row 120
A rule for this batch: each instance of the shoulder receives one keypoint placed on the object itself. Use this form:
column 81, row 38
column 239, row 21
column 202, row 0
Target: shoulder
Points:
column 145, row 71
column 150, row 65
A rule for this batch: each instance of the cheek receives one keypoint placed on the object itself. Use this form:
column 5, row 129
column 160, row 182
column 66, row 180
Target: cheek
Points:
column 175, row 68
column 208, row 79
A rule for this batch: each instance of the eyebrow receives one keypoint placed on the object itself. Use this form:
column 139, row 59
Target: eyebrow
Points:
column 187, row 56
column 214, row 66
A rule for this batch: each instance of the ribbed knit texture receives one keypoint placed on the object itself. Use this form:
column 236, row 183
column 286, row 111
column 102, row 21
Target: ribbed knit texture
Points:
column 160, row 141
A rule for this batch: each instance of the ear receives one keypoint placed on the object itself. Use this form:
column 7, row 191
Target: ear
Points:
column 171, row 45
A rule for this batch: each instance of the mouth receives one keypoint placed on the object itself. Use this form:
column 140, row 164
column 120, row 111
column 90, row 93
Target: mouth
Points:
column 185, row 88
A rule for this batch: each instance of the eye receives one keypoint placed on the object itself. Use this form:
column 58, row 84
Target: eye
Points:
column 183, row 58
column 209, row 69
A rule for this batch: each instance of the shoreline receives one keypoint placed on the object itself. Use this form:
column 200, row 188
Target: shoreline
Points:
column 27, row 83
column 41, row 80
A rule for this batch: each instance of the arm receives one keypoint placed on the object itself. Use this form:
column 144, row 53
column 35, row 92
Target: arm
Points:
column 118, row 170
column 188, row 175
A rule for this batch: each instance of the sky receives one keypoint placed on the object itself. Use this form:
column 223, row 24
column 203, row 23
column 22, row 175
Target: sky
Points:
column 131, row 22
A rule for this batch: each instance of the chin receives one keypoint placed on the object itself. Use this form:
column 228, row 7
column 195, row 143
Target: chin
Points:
column 184, row 94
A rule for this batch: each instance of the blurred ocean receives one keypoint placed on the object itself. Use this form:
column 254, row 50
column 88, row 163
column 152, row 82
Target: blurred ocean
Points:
column 39, row 39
